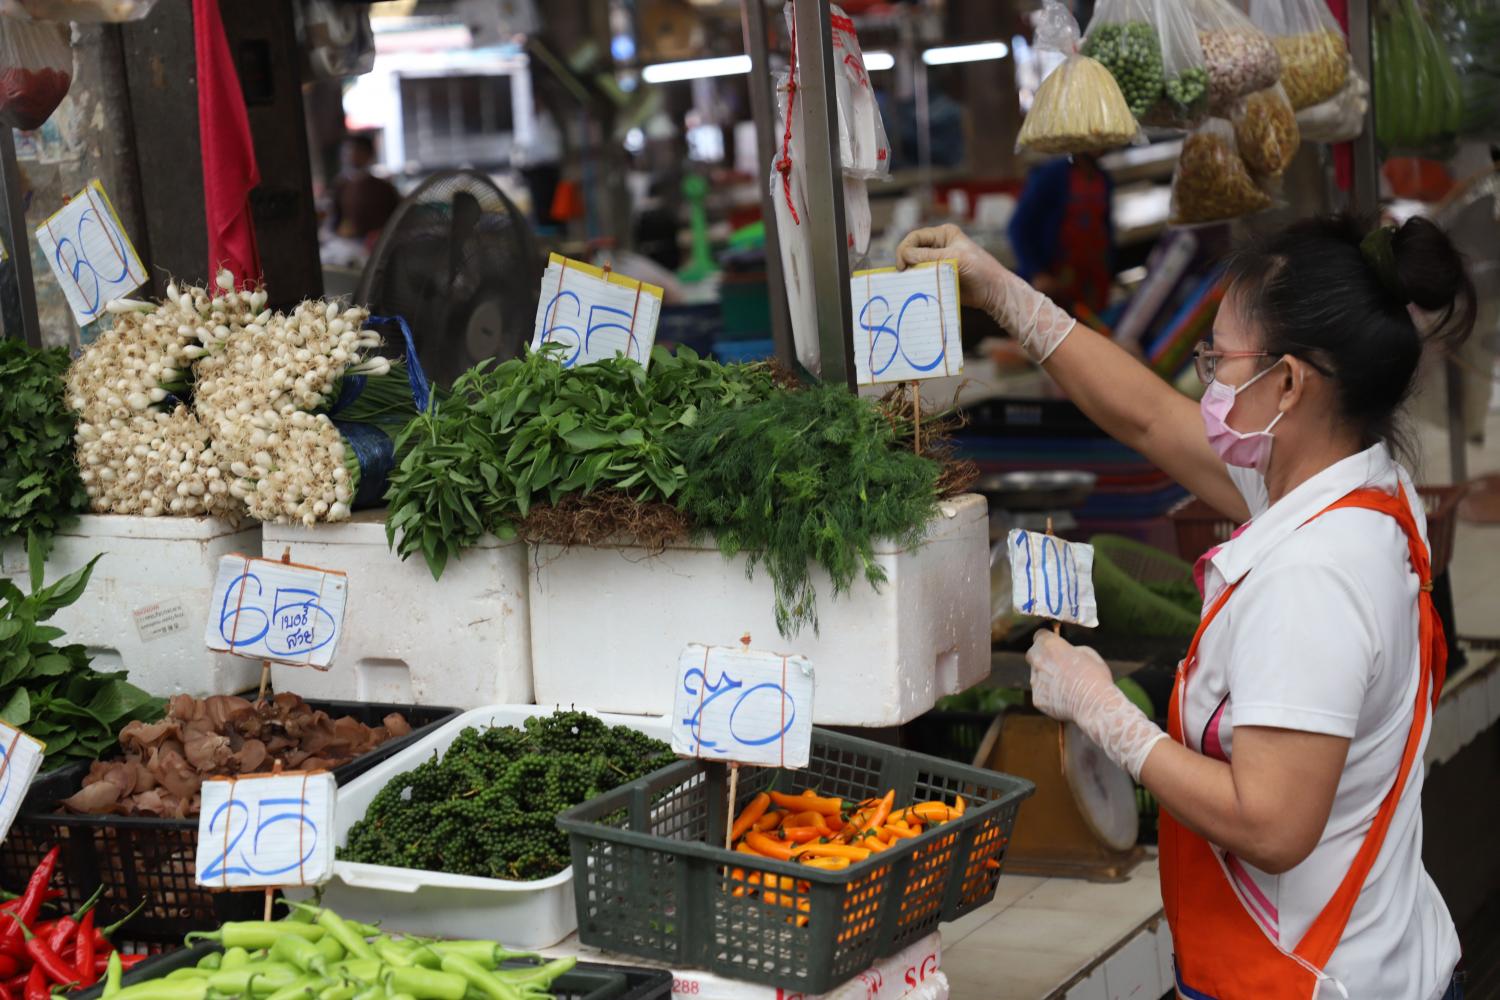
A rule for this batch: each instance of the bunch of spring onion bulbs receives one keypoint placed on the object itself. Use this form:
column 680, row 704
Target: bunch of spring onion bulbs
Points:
column 256, row 437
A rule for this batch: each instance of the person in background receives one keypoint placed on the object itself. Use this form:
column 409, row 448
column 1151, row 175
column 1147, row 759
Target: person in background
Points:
column 1063, row 234
column 362, row 202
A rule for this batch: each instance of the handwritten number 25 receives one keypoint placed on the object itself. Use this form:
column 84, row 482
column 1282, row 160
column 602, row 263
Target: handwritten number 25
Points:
column 236, row 810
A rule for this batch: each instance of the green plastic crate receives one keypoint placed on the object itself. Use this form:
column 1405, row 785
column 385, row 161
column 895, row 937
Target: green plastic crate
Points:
column 652, row 879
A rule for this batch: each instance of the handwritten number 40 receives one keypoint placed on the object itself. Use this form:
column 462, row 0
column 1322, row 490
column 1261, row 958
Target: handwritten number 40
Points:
column 1059, row 576
column 243, row 862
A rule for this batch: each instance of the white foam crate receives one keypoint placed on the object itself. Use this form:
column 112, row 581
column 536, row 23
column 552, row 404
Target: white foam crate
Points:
column 527, row 915
column 609, row 623
column 910, row 974
column 147, row 603
column 464, row 640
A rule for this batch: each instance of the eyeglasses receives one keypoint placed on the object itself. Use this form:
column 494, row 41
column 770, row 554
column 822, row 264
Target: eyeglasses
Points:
column 1206, row 360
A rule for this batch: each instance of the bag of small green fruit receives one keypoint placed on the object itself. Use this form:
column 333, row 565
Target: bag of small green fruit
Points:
column 1151, row 48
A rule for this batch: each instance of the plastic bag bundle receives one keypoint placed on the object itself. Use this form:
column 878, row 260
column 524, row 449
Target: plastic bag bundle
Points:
column 36, row 69
column 76, row 10
column 863, row 146
column 1151, row 49
column 1212, row 183
column 1079, row 107
column 1239, row 56
column 1265, row 129
column 1314, row 56
column 337, row 40
column 1418, row 98
column 1341, row 118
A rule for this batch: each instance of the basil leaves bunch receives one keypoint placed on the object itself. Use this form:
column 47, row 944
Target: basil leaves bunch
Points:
column 40, row 491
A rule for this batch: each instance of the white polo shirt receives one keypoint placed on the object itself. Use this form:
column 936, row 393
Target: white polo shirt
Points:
column 1322, row 638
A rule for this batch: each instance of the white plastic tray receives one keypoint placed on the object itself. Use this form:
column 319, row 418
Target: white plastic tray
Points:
column 526, row 915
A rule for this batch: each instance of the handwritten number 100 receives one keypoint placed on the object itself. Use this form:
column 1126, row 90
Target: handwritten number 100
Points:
column 1060, row 585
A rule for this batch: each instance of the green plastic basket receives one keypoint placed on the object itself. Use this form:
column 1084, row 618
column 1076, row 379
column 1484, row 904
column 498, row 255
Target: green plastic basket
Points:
column 1132, row 582
column 651, row 878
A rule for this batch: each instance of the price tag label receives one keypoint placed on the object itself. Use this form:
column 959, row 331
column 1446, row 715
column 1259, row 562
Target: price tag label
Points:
column 595, row 313
column 277, row 611
column 743, row 705
column 906, row 323
column 20, row 760
column 89, row 253
column 1052, row 578
column 264, row 831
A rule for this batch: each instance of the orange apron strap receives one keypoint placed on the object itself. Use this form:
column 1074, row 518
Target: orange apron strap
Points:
column 1318, row 945
column 1179, row 688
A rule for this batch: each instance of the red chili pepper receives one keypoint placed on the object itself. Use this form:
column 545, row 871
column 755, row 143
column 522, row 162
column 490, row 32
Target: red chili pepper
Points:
column 8, row 966
column 84, row 962
column 36, row 985
column 109, row 932
column 31, row 903
column 58, row 971
column 131, row 961
column 5, row 993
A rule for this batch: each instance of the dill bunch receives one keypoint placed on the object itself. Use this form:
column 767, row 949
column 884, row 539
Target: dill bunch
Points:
column 801, row 479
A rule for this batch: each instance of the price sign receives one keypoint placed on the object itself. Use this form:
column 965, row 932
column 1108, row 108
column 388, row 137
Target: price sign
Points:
column 1052, row 578
column 89, row 253
column 742, row 705
column 268, row 830
column 595, row 313
column 20, row 759
column 276, row 611
column 906, row 323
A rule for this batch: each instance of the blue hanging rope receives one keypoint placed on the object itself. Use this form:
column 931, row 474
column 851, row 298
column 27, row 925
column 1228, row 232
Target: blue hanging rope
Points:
column 376, row 454
column 421, row 391
column 352, row 386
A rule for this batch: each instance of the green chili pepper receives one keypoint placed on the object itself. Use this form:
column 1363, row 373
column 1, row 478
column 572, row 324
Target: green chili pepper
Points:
column 261, row 977
column 541, row 975
column 299, row 952
column 364, row 970
column 191, row 972
column 339, row 991
column 234, row 958
column 213, row 960
column 112, row 973
column 156, row 989
column 393, row 955
column 300, row 990
column 480, row 978
column 486, row 953
column 346, row 935
column 428, row 984
column 256, row 933
column 328, row 946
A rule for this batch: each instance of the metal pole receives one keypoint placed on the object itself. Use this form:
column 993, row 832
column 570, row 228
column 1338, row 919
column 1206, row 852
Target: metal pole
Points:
column 1458, row 458
column 825, row 189
column 763, row 110
column 1366, row 189
column 20, row 296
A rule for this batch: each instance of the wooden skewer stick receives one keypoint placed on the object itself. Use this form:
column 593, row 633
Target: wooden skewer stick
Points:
column 916, row 407
column 734, row 792
column 265, row 679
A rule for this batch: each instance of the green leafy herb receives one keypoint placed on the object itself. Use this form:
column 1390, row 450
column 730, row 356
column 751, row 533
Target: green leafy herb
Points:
column 529, row 431
column 801, row 479
column 51, row 691
column 40, row 491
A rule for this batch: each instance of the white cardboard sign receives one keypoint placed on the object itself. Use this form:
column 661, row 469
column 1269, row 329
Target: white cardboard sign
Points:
column 743, row 705
column 20, row 759
column 89, row 253
column 595, row 314
column 906, row 323
column 266, row 831
column 1052, row 578
column 277, row 611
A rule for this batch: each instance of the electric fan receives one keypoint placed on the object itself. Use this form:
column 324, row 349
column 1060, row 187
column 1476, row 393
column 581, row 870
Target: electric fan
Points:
column 458, row 262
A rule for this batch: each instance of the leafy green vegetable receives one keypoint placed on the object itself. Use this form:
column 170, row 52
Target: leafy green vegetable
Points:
column 40, row 491
column 51, row 691
column 529, row 431
column 803, row 478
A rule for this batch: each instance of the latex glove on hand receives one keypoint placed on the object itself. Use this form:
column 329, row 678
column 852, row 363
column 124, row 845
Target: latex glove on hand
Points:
column 1073, row 684
column 1032, row 318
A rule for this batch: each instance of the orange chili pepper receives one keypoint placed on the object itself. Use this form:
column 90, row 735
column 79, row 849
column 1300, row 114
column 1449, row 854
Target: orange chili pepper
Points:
column 828, row 864
column 958, row 805
column 832, row 851
column 933, row 812
column 770, row 820
column 882, row 809
column 801, row 834
column 835, row 822
column 745, row 848
column 768, row 846
column 808, row 818
column 801, row 803
column 746, row 819
column 991, row 863
column 875, row 844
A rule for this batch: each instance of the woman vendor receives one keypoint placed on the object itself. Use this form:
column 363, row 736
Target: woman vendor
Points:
column 1290, row 773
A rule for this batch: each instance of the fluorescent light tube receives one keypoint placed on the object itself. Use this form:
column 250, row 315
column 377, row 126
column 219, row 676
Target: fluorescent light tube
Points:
column 978, row 52
column 696, row 69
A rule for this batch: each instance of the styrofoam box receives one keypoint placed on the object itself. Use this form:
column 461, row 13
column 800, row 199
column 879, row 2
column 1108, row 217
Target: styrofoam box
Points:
column 608, row 624
column 910, row 973
column 147, row 602
column 520, row 914
column 464, row 640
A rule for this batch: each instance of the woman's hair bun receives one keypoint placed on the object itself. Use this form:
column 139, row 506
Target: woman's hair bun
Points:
column 1432, row 275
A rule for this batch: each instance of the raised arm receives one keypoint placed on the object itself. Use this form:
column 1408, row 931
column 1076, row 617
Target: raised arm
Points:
column 1124, row 397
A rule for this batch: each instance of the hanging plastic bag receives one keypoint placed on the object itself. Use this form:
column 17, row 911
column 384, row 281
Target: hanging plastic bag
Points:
column 336, row 38
column 1418, row 99
column 864, row 149
column 1239, row 56
column 788, row 195
column 36, row 69
column 1265, row 129
column 1314, row 55
column 77, row 10
column 1342, row 117
column 1079, row 107
column 856, row 218
column 1212, row 183
column 1151, row 49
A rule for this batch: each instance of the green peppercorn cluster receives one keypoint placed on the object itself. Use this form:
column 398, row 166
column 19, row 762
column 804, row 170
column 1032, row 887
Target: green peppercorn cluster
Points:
column 1188, row 89
column 487, row 806
column 1132, row 54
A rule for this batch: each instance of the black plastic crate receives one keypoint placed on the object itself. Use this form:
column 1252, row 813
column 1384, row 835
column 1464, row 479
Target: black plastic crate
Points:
column 952, row 734
column 651, row 878
column 585, row 981
column 148, row 858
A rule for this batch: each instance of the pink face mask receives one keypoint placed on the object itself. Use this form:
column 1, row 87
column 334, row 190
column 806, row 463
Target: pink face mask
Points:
column 1244, row 451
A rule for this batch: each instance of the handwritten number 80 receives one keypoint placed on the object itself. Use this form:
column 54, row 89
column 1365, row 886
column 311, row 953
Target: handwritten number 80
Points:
column 882, row 329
